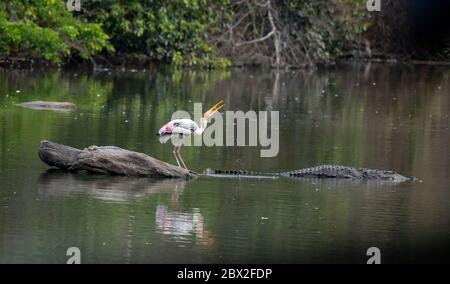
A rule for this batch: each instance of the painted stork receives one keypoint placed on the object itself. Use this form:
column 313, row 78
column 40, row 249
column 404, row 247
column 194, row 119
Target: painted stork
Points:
column 185, row 127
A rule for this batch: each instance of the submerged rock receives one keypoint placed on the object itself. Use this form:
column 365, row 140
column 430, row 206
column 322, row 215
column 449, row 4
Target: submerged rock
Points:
column 43, row 105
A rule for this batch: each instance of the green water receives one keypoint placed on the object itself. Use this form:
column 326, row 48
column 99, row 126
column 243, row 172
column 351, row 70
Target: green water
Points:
column 378, row 116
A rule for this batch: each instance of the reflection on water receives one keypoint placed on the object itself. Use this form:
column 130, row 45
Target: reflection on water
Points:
column 181, row 227
column 113, row 188
column 378, row 116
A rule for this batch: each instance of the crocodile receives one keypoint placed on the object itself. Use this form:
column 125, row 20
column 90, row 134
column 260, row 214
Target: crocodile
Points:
column 324, row 171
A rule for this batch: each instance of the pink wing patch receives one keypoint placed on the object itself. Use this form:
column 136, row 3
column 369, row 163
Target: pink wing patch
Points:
column 166, row 129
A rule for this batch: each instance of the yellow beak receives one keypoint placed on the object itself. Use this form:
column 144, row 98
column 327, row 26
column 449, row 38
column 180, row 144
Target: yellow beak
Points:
column 213, row 110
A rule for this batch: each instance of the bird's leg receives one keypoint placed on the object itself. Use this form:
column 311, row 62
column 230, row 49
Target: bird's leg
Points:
column 174, row 152
column 179, row 155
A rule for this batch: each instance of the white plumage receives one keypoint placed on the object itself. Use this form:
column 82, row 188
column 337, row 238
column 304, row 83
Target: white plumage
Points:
column 185, row 127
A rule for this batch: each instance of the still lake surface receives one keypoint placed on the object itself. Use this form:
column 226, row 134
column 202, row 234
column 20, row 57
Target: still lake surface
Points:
column 378, row 116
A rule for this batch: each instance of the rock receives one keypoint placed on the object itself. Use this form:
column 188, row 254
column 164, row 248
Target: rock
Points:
column 42, row 105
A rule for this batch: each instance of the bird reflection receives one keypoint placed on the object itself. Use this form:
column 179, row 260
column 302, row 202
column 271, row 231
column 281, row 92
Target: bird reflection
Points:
column 180, row 225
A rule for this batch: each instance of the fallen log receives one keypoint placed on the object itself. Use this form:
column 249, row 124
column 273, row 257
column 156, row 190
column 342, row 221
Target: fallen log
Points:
column 42, row 105
column 108, row 160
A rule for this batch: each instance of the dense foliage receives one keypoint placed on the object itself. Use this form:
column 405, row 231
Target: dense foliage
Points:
column 182, row 32
column 292, row 32
column 214, row 33
column 44, row 29
column 170, row 31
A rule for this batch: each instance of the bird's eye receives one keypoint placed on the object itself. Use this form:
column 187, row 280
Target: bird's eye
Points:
column 176, row 124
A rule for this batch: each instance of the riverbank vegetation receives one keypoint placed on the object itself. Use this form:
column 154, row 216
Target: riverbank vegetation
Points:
column 221, row 33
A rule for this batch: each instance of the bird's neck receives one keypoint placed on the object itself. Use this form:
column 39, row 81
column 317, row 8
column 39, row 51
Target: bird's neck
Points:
column 202, row 126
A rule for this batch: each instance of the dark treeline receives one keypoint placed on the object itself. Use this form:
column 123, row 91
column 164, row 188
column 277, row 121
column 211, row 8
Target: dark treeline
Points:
column 220, row 33
column 418, row 29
